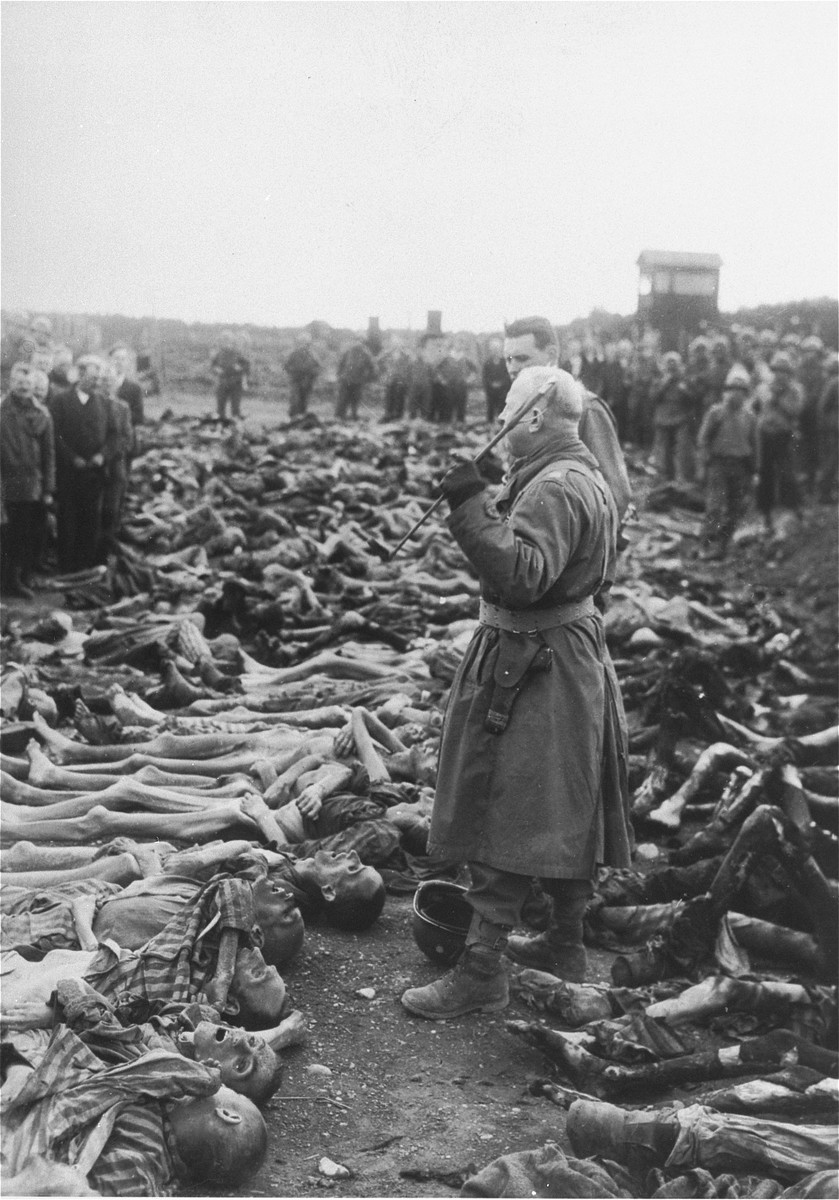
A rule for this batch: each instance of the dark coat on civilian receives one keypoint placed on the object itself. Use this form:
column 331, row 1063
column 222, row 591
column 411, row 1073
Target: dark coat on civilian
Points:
column 27, row 451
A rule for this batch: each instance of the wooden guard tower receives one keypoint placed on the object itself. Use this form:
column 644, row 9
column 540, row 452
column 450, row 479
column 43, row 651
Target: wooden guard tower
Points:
column 677, row 292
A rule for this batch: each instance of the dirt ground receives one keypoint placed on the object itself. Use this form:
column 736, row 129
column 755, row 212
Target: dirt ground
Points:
column 403, row 1094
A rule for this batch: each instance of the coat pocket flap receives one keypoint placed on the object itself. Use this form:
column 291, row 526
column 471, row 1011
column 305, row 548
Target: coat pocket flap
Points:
column 516, row 655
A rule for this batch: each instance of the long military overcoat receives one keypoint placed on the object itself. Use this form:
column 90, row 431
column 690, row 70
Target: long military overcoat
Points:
column 547, row 796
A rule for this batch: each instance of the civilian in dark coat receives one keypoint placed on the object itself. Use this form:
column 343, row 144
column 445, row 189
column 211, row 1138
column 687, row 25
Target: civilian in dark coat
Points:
column 83, row 433
column 127, row 389
column 117, row 458
column 27, row 463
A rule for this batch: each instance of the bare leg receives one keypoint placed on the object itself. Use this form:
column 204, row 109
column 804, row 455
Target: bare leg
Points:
column 118, row 868
column 166, row 745
column 100, row 823
column 24, row 856
column 43, row 773
column 16, row 791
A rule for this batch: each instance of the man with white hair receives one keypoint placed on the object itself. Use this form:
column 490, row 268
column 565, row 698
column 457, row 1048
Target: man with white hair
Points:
column 532, row 772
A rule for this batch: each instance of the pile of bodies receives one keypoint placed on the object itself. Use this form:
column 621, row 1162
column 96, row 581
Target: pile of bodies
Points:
column 235, row 734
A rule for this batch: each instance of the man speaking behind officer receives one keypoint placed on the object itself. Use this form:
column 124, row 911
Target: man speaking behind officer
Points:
column 532, row 772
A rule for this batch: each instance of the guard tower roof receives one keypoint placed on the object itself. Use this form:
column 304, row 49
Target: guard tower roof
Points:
column 676, row 258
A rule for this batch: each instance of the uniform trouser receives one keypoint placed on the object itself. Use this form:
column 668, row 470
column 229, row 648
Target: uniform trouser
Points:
column 495, row 403
column 349, row 398
column 459, row 394
column 79, row 503
column 673, row 451
column 231, row 392
column 828, row 463
column 396, row 393
column 22, row 537
column 639, row 406
column 727, row 493
column 301, row 389
column 808, row 446
column 496, row 898
column 777, row 485
column 441, row 403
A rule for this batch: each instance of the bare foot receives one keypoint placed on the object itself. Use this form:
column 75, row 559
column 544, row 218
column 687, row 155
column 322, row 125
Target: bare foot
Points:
column 147, row 854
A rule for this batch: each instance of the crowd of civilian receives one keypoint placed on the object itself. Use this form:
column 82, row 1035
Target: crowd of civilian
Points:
column 68, row 432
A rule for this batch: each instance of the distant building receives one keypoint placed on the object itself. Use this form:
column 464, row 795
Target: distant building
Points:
column 678, row 293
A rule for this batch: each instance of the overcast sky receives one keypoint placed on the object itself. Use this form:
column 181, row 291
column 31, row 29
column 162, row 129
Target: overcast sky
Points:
column 276, row 162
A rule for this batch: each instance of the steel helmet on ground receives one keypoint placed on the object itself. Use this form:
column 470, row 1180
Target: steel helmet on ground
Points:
column 440, row 920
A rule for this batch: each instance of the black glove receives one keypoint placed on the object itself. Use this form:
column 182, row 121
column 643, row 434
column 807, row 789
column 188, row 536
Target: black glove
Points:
column 461, row 483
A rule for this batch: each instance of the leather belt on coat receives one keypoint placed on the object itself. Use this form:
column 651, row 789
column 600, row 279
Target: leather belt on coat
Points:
column 521, row 654
column 535, row 619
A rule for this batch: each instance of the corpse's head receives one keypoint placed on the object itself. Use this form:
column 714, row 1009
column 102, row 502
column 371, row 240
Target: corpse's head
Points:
column 248, row 1064
column 257, row 995
column 529, row 342
column 557, row 410
column 353, row 894
column 220, row 1137
column 279, row 919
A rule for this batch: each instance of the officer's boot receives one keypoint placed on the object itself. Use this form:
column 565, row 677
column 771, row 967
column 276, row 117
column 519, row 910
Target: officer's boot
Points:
column 477, row 983
column 559, row 950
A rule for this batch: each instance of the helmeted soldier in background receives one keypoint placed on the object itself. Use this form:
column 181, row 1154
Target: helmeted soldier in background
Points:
column 778, row 417
column 302, row 368
column 355, row 369
column 810, row 375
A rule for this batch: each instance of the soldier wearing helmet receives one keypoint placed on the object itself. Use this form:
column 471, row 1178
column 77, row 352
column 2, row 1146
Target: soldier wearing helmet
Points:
column 778, row 417
column 727, row 453
column 673, row 437
column 811, row 376
column 828, row 426
column 719, row 368
column 698, row 383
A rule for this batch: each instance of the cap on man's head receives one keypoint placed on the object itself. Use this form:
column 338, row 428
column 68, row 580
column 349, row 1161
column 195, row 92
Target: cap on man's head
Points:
column 738, row 377
column 782, row 362
column 812, row 343
column 672, row 356
column 768, row 337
